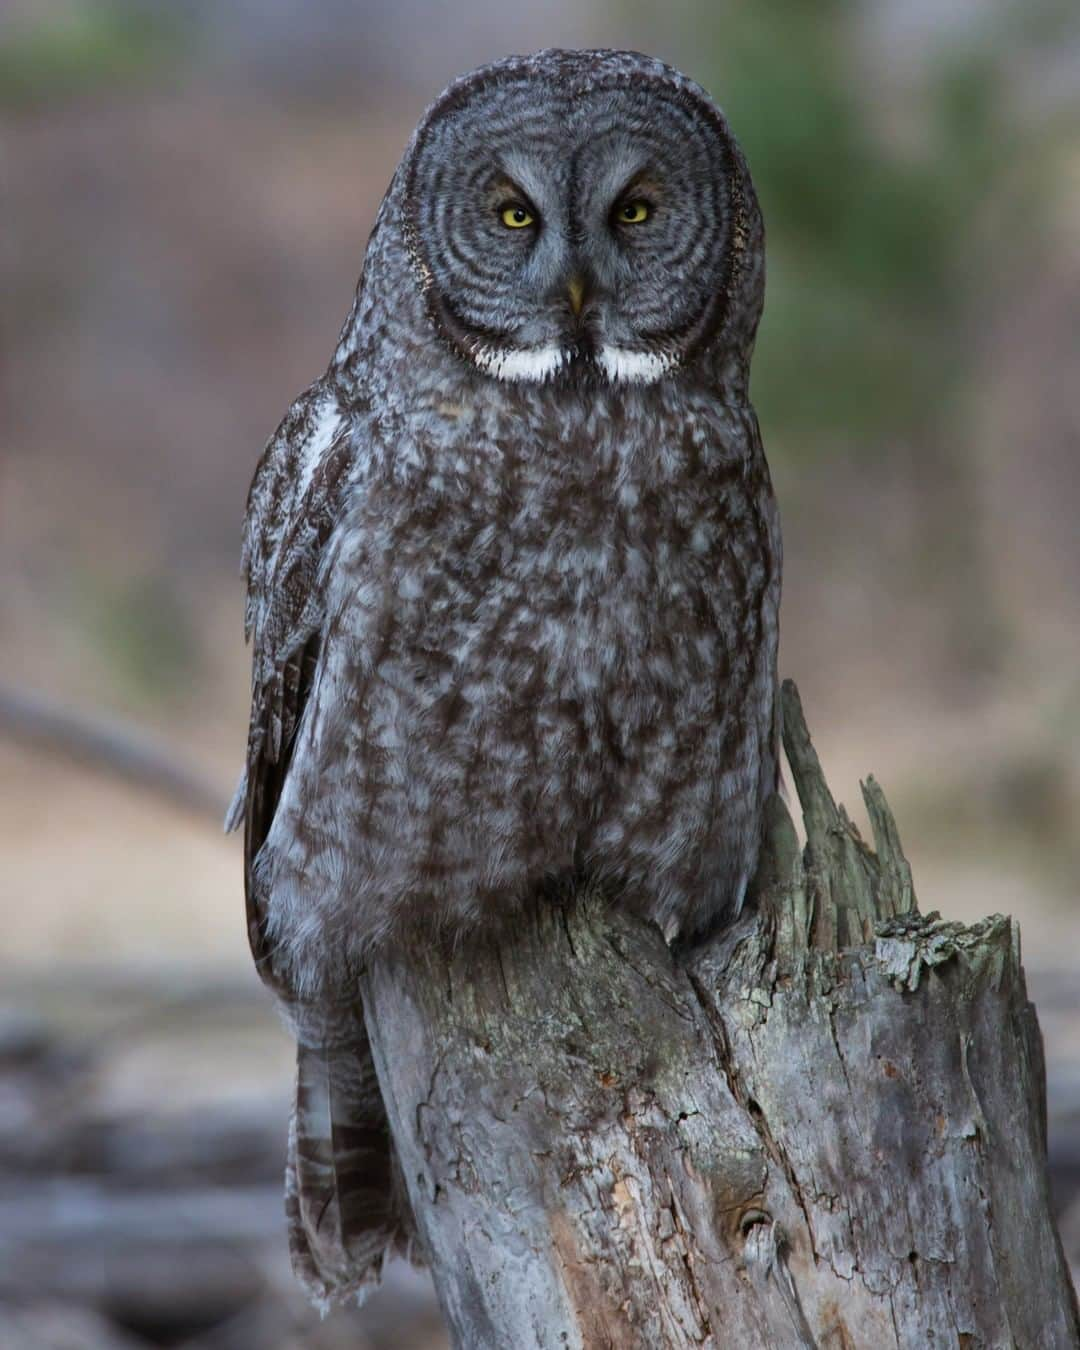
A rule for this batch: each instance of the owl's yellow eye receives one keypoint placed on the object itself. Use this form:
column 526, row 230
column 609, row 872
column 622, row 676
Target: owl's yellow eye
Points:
column 516, row 217
column 632, row 213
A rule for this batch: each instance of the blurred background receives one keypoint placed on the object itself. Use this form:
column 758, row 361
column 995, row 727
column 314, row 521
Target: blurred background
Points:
column 187, row 190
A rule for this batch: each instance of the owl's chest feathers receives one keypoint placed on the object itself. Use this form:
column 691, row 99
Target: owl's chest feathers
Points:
column 577, row 557
column 582, row 493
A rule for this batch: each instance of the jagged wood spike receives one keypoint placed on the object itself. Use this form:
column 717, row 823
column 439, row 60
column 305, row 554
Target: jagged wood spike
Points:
column 818, row 806
column 897, row 892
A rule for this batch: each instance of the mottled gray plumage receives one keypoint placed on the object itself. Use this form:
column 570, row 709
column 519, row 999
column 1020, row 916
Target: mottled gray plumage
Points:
column 514, row 570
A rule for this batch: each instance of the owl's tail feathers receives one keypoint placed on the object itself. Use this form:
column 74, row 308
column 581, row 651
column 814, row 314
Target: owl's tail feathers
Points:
column 344, row 1204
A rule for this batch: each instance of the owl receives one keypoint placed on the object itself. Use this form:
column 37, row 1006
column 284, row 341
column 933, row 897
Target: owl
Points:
column 513, row 578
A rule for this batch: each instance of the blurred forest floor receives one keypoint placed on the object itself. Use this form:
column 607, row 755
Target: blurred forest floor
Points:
column 183, row 253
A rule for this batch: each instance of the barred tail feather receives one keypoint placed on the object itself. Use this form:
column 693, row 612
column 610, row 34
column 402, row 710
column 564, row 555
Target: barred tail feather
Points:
column 343, row 1208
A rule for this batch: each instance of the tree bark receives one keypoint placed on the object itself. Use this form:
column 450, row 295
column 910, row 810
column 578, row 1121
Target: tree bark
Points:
column 823, row 1128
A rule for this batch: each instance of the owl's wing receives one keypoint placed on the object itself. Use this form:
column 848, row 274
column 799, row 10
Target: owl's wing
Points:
column 344, row 1209
column 296, row 498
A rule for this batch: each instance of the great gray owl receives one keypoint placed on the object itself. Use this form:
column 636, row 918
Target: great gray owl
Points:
column 514, row 572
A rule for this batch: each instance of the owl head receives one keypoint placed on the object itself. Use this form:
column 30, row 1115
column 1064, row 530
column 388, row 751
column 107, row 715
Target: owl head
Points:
column 581, row 214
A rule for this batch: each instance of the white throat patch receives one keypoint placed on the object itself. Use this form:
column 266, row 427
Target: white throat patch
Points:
column 524, row 363
column 621, row 365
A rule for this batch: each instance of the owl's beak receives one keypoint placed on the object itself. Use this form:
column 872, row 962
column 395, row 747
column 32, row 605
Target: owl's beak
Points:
column 576, row 289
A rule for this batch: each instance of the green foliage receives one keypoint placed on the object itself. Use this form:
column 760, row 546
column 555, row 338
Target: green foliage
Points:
column 84, row 48
column 140, row 628
column 873, row 262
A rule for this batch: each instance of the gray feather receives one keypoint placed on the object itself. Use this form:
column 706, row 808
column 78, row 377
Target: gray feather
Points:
column 340, row 1197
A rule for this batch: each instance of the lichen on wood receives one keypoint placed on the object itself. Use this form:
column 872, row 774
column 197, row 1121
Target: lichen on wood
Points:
column 823, row 1127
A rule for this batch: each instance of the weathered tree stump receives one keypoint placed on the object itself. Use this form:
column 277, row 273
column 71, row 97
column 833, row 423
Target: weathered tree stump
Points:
column 825, row 1127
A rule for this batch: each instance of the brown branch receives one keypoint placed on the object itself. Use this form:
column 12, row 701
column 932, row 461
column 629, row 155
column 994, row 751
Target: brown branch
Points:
column 109, row 748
